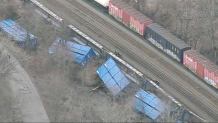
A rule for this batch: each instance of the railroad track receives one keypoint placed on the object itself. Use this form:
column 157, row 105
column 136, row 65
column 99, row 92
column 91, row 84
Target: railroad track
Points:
column 133, row 42
column 211, row 110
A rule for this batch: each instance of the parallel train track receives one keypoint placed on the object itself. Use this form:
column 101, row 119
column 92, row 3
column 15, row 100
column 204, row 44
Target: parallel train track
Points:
column 209, row 109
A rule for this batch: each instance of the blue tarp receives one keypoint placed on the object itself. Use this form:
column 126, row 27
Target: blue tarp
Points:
column 148, row 103
column 178, row 121
column 18, row 33
column 112, row 76
column 79, row 53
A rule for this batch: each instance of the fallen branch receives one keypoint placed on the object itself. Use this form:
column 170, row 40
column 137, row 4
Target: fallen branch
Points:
column 94, row 89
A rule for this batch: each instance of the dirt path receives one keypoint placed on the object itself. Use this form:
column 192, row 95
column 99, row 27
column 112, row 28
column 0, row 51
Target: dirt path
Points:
column 30, row 104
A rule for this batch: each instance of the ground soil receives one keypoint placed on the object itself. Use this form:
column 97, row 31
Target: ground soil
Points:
column 62, row 85
column 8, row 112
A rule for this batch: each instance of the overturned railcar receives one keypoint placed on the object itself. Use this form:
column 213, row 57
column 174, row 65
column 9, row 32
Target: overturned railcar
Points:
column 24, row 39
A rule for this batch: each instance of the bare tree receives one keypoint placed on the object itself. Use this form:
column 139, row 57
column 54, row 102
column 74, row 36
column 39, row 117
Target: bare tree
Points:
column 171, row 113
column 8, row 10
column 212, row 16
column 10, row 108
column 11, row 102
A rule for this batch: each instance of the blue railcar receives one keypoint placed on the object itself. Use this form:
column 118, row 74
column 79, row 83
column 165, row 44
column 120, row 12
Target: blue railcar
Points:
column 72, row 51
column 19, row 34
column 166, row 41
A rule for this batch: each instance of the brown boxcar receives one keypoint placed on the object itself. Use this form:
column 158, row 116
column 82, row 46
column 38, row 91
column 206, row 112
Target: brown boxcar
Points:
column 190, row 60
column 210, row 75
column 195, row 62
column 116, row 9
column 129, row 16
column 201, row 66
column 126, row 15
column 138, row 22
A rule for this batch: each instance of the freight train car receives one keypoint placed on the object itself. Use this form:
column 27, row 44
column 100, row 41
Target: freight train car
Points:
column 162, row 39
column 166, row 41
column 103, row 4
column 201, row 66
column 129, row 16
column 116, row 9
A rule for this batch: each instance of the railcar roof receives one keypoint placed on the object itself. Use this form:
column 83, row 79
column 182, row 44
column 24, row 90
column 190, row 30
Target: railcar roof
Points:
column 168, row 36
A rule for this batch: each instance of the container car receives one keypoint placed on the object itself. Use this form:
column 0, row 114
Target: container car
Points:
column 201, row 66
column 166, row 41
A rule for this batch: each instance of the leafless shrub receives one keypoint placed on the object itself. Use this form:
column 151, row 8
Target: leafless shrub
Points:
column 8, row 10
column 10, row 111
column 10, row 104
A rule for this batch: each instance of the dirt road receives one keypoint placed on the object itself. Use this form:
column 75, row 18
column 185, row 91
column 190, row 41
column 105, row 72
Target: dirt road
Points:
column 30, row 104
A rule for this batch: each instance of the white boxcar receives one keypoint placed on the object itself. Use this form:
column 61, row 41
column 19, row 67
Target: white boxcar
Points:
column 104, row 3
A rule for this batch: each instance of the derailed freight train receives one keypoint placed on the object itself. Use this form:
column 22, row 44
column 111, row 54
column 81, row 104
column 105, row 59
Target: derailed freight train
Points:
column 163, row 39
